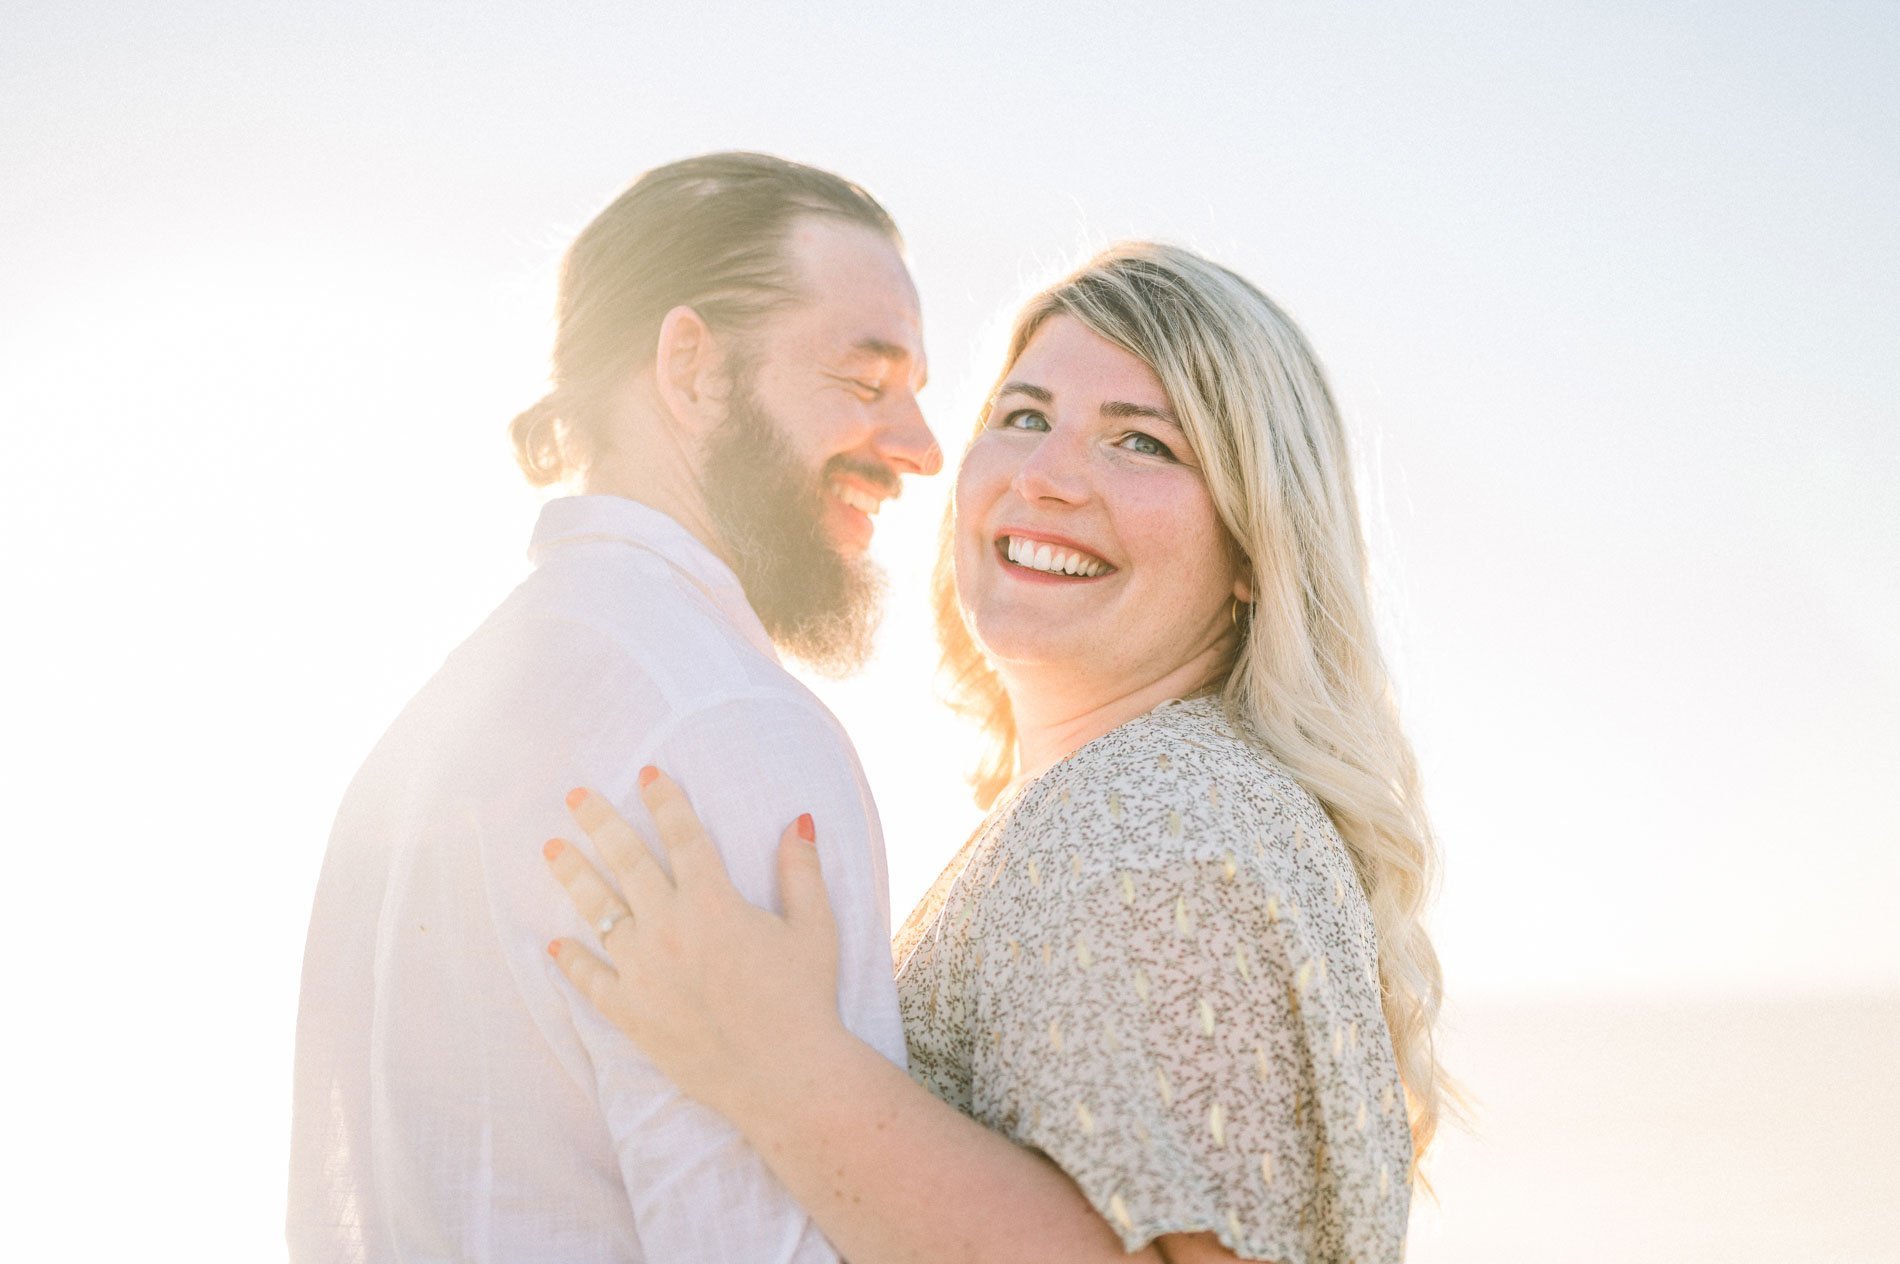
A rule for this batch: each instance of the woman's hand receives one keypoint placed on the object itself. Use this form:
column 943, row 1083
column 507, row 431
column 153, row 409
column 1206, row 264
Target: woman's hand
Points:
column 738, row 1006
column 729, row 1000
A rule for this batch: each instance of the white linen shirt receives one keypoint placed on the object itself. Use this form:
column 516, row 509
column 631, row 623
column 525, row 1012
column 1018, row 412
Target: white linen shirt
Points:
column 455, row 1098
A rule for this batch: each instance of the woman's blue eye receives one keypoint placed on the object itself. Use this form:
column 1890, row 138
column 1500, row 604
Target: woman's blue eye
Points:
column 1145, row 444
column 1029, row 417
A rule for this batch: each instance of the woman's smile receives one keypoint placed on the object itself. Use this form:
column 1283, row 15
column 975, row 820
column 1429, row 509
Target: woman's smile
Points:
column 1043, row 558
column 1082, row 479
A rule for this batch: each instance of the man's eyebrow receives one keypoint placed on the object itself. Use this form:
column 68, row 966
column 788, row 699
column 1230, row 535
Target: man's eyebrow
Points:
column 883, row 350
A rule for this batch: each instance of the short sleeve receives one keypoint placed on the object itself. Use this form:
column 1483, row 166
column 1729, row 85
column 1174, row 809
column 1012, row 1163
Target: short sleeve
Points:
column 1161, row 1008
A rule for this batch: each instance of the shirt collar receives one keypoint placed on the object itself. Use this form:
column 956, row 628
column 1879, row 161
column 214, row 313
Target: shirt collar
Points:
column 571, row 520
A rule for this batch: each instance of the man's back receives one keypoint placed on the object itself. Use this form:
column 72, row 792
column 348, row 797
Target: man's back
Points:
column 453, row 1099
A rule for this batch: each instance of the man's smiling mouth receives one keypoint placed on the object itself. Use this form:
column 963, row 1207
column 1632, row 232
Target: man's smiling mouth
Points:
column 862, row 501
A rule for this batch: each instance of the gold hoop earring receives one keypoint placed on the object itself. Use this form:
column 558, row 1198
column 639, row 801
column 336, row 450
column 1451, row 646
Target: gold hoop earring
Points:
column 1233, row 615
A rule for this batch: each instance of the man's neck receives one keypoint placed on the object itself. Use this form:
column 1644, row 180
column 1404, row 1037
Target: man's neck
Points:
column 664, row 477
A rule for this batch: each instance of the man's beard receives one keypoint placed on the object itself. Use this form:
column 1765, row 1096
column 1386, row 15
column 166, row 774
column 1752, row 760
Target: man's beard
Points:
column 818, row 605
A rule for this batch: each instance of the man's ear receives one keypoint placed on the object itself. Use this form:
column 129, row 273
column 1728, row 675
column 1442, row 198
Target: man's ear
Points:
column 687, row 371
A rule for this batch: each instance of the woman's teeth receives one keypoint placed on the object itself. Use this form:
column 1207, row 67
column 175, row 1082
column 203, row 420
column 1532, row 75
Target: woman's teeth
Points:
column 861, row 501
column 1046, row 557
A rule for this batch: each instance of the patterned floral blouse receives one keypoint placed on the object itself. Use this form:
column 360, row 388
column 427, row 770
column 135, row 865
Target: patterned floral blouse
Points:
column 1154, row 963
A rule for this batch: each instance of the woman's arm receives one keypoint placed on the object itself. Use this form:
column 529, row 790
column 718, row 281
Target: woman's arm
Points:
column 891, row 1173
column 738, row 1006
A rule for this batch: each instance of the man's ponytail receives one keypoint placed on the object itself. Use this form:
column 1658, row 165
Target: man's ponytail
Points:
column 536, row 434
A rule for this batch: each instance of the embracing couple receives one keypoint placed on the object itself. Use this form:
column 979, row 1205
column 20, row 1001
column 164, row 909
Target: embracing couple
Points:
column 601, row 961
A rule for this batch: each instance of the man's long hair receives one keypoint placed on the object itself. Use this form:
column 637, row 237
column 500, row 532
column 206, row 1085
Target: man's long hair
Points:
column 708, row 233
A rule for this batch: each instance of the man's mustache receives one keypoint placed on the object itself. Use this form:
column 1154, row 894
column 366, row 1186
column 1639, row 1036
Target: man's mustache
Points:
column 882, row 477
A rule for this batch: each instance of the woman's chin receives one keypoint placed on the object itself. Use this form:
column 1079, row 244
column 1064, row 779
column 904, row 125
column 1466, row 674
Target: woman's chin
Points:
column 1033, row 644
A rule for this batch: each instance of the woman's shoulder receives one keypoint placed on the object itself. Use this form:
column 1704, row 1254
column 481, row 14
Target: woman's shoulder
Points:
column 1178, row 783
column 1183, row 755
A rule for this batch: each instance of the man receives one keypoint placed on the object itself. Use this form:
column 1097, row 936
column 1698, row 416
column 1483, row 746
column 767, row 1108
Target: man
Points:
column 735, row 372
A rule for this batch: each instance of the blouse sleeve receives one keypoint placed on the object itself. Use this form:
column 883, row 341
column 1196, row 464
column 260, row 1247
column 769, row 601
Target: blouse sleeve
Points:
column 1161, row 1010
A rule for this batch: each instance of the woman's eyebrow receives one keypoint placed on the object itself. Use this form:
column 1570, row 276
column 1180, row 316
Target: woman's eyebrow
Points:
column 1116, row 408
column 1120, row 408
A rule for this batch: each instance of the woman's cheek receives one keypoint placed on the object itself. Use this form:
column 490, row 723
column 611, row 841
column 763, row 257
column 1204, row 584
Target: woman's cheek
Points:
column 981, row 481
column 971, row 513
column 1147, row 512
column 1168, row 517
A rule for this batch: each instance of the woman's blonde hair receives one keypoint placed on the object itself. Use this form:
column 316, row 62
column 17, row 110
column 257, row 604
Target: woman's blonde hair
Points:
column 1307, row 680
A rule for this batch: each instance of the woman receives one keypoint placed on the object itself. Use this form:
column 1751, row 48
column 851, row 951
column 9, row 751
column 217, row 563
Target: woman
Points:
column 1174, row 996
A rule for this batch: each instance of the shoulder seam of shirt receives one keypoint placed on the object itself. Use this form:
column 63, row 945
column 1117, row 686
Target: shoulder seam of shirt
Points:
column 796, row 695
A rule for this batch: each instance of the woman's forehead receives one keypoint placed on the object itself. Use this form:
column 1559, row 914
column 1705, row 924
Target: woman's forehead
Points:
column 1065, row 357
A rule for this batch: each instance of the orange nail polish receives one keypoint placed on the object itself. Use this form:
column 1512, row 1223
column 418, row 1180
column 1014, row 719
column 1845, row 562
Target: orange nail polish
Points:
column 805, row 830
column 554, row 948
column 647, row 775
column 552, row 848
column 575, row 797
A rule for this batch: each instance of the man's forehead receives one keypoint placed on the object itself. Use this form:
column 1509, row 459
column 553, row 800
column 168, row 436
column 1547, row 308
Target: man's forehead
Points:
column 861, row 333
column 858, row 297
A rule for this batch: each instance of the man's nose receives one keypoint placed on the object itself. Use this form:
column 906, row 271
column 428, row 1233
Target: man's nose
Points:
column 905, row 439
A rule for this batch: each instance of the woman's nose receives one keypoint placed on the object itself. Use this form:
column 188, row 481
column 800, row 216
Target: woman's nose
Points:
column 1053, row 470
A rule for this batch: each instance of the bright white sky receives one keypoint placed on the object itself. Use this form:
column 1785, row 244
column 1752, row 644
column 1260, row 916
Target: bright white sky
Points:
column 1613, row 301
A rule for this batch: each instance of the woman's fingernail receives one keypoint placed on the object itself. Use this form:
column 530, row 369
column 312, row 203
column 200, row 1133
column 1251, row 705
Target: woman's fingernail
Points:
column 552, row 848
column 576, row 796
column 805, row 830
column 554, row 948
column 647, row 775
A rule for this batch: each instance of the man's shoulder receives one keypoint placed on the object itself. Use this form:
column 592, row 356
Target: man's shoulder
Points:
column 777, row 719
column 610, row 659
column 630, row 623
column 635, row 606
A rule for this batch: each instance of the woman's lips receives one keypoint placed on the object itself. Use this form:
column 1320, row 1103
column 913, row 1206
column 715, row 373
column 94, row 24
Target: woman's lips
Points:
column 1043, row 558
